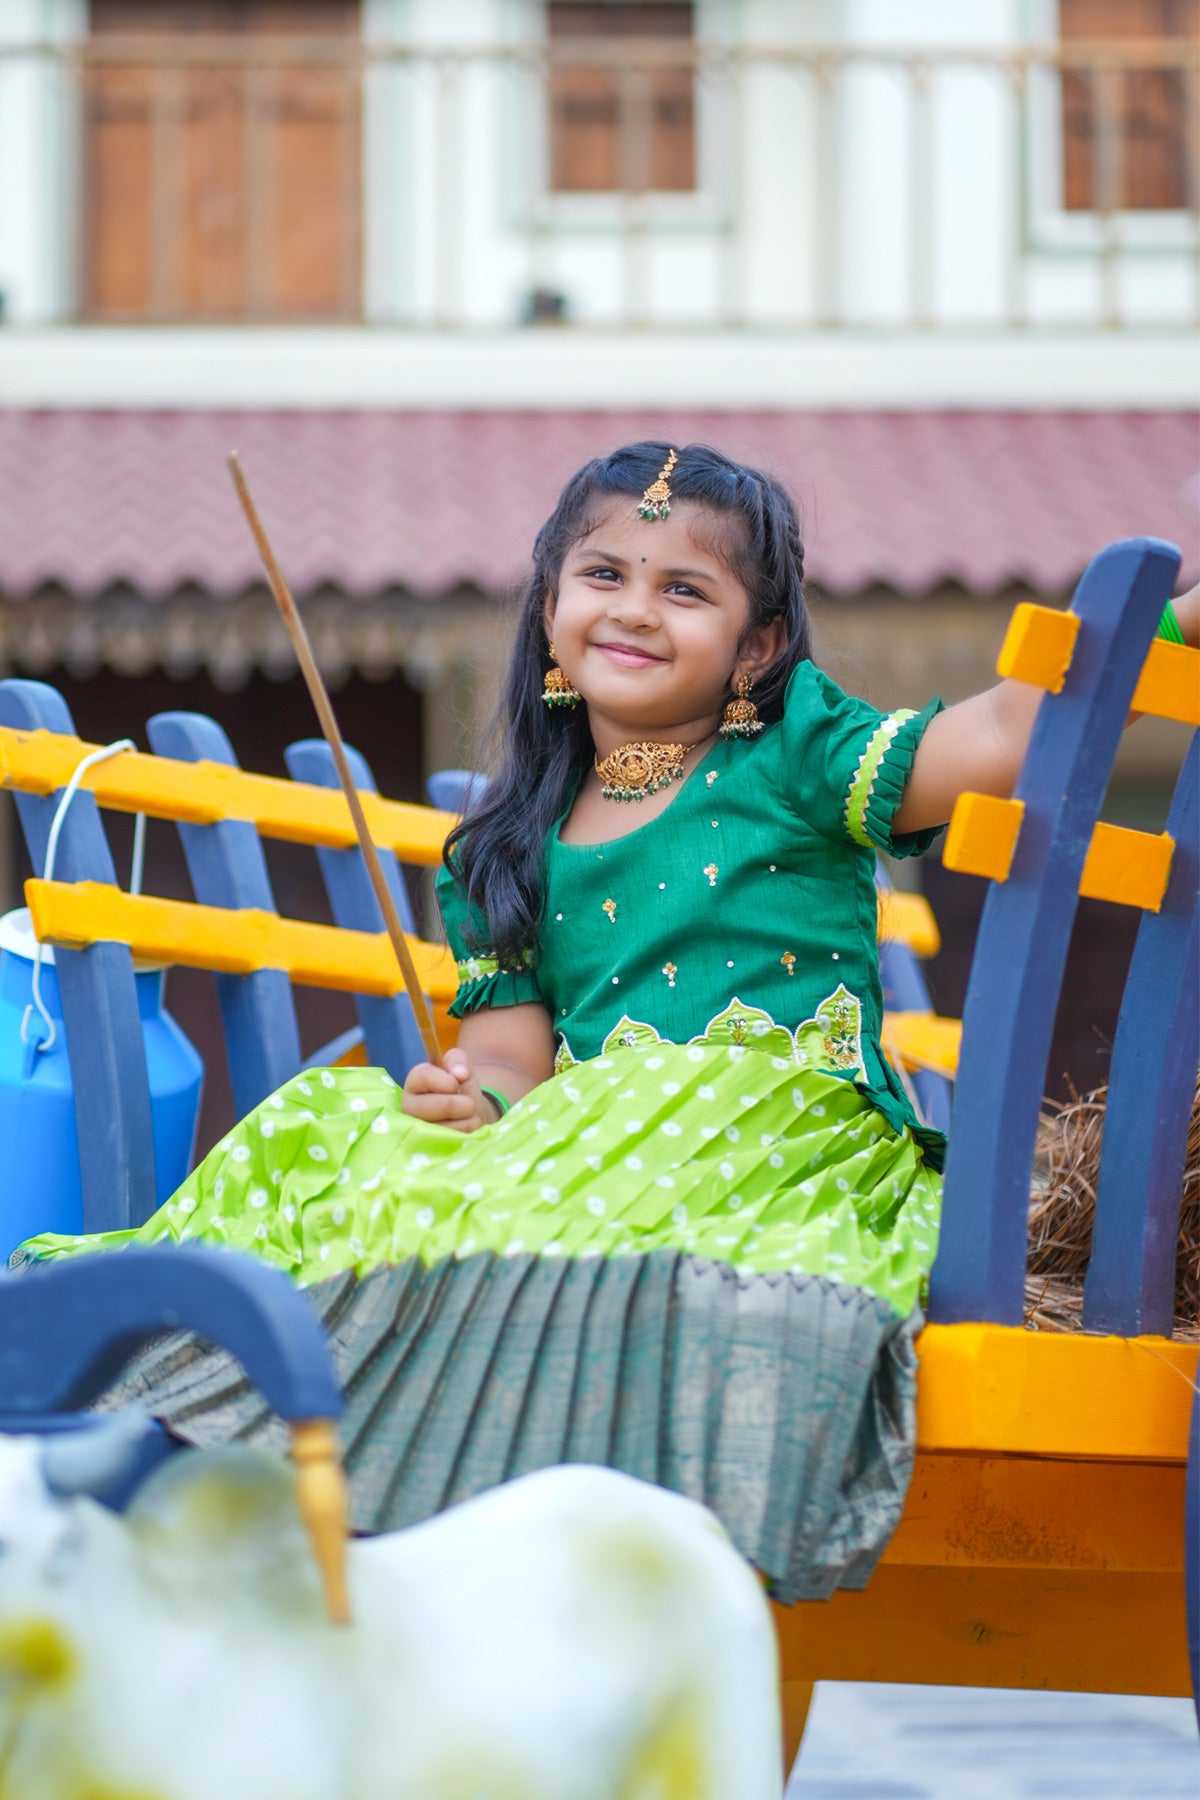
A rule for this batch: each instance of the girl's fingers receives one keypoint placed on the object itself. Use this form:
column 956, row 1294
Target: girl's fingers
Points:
column 426, row 1078
column 448, row 1106
column 446, row 1096
column 440, row 1109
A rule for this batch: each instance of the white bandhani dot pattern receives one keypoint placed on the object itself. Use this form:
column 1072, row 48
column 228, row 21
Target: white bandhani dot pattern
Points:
column 717, row 1148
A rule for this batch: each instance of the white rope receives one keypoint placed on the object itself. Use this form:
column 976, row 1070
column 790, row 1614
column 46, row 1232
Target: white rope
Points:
column 69, row 792
column 138, row 860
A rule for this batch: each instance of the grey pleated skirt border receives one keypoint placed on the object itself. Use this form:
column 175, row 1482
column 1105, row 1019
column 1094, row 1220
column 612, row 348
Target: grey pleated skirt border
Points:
column 786, row 1404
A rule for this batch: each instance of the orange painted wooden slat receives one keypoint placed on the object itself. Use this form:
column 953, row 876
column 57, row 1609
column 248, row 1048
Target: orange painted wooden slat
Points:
column 983, row 835
column 201, row 793
column 1169, row 685
column 1129, row 867
column 1038, row 646
column 1032, row 1512
column 908, row 919
column 1000, row 1390
column 1084, row 1630
column 922, row 1040
column 212, row 937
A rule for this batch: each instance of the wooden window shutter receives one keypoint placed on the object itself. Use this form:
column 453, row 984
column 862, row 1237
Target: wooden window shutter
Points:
column 1151, row 111
column 615, row 130
column 222, row 189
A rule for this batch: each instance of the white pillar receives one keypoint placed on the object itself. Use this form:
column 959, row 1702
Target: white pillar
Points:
column 39, row 153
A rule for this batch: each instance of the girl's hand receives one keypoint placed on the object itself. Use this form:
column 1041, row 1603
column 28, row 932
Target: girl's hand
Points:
column 1187, row 611
column 449, row 1096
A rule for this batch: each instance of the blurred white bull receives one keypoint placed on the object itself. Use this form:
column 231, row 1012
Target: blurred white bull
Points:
column 574, row 1635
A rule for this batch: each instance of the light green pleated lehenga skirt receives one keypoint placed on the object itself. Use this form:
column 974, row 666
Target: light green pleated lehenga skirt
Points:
column 697, row 1263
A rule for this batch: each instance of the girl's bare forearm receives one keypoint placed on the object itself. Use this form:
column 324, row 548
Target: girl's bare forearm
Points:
column 509, row 1048
column 513, row 1080
column 979, row 745
column 976, row 746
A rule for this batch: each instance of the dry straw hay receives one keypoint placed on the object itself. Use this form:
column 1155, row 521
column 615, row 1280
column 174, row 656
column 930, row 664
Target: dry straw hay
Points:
column 1062, row 1208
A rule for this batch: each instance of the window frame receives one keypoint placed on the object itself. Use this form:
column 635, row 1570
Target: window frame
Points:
column 709, row 206
column 349, row 250
column 1050, row 227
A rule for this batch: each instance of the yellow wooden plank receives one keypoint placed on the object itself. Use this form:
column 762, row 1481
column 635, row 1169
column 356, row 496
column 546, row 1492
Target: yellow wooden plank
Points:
column 1169, row 685
column 908, row 919
column 1086, row 1630
column 232, row 941
column 922, row 1040
column 1000, row 1390
column 1038, row 646
column 983, row 835
column 795, row 1699
column 1014, row 1572
column 39, row 762
column 1033, row 1512
column 1129, row 867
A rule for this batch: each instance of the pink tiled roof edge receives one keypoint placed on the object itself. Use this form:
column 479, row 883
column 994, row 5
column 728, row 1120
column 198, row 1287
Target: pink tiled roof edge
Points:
column 429, row 501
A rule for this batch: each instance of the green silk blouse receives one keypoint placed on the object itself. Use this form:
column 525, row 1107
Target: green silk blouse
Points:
column 746, row 911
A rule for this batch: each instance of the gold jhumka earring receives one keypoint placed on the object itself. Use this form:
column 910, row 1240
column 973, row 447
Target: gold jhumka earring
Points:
column 558, row 688
column 741, row 715
column 656, row 501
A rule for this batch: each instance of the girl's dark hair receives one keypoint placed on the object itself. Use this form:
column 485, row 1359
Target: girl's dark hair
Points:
column 497, row 853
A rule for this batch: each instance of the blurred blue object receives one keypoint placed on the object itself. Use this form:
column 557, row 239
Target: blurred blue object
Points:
column 40, row 1185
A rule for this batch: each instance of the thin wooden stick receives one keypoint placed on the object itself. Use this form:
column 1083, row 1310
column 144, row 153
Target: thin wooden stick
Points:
column 333, row 737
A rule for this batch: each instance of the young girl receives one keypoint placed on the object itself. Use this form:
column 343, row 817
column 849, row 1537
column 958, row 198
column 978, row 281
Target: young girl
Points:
column 666, row 1206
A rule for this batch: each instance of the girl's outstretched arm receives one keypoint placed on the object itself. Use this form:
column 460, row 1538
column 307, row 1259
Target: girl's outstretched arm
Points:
column 510, row 1048
column 979, row 745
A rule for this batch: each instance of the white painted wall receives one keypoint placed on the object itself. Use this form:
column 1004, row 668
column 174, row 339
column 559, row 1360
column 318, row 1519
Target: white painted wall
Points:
column 38, row 161
column 817, row 206
column 818, row 201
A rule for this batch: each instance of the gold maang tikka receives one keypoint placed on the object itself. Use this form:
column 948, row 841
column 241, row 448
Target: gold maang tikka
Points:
column 558, row 689
column 656, row 501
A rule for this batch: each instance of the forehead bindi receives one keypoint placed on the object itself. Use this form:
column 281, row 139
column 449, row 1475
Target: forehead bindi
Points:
column 687, row 544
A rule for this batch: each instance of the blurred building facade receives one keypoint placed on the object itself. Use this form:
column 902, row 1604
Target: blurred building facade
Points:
column 936, row 266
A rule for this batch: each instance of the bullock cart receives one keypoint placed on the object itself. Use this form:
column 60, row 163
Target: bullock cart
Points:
column 1051, row 1533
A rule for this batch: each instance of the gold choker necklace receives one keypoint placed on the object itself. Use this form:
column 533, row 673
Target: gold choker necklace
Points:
column 635, row 770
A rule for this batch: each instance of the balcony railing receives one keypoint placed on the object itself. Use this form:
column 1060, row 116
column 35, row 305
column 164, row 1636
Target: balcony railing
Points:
column 649, row 183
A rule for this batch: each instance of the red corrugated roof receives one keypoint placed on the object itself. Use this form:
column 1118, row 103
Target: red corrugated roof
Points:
column 431, row 500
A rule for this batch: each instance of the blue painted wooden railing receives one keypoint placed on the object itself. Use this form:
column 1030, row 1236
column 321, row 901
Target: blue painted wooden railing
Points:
column 1191, row 1551
column 904, row 990
column 100, row 1010
column 1016, row 978
column 67, row 1332
column 227, row 867
column 1131, row 1280
column 388, row 1027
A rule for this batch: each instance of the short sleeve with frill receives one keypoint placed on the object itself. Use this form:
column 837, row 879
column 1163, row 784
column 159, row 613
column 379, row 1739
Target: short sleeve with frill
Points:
column 481, row 980
column 843, row 765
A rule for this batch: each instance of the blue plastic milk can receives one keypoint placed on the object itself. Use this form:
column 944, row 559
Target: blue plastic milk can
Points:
column 39, row 1176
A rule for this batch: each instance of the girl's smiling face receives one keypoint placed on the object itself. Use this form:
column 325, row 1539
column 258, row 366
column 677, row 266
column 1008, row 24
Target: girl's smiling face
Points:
column 649, row 625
